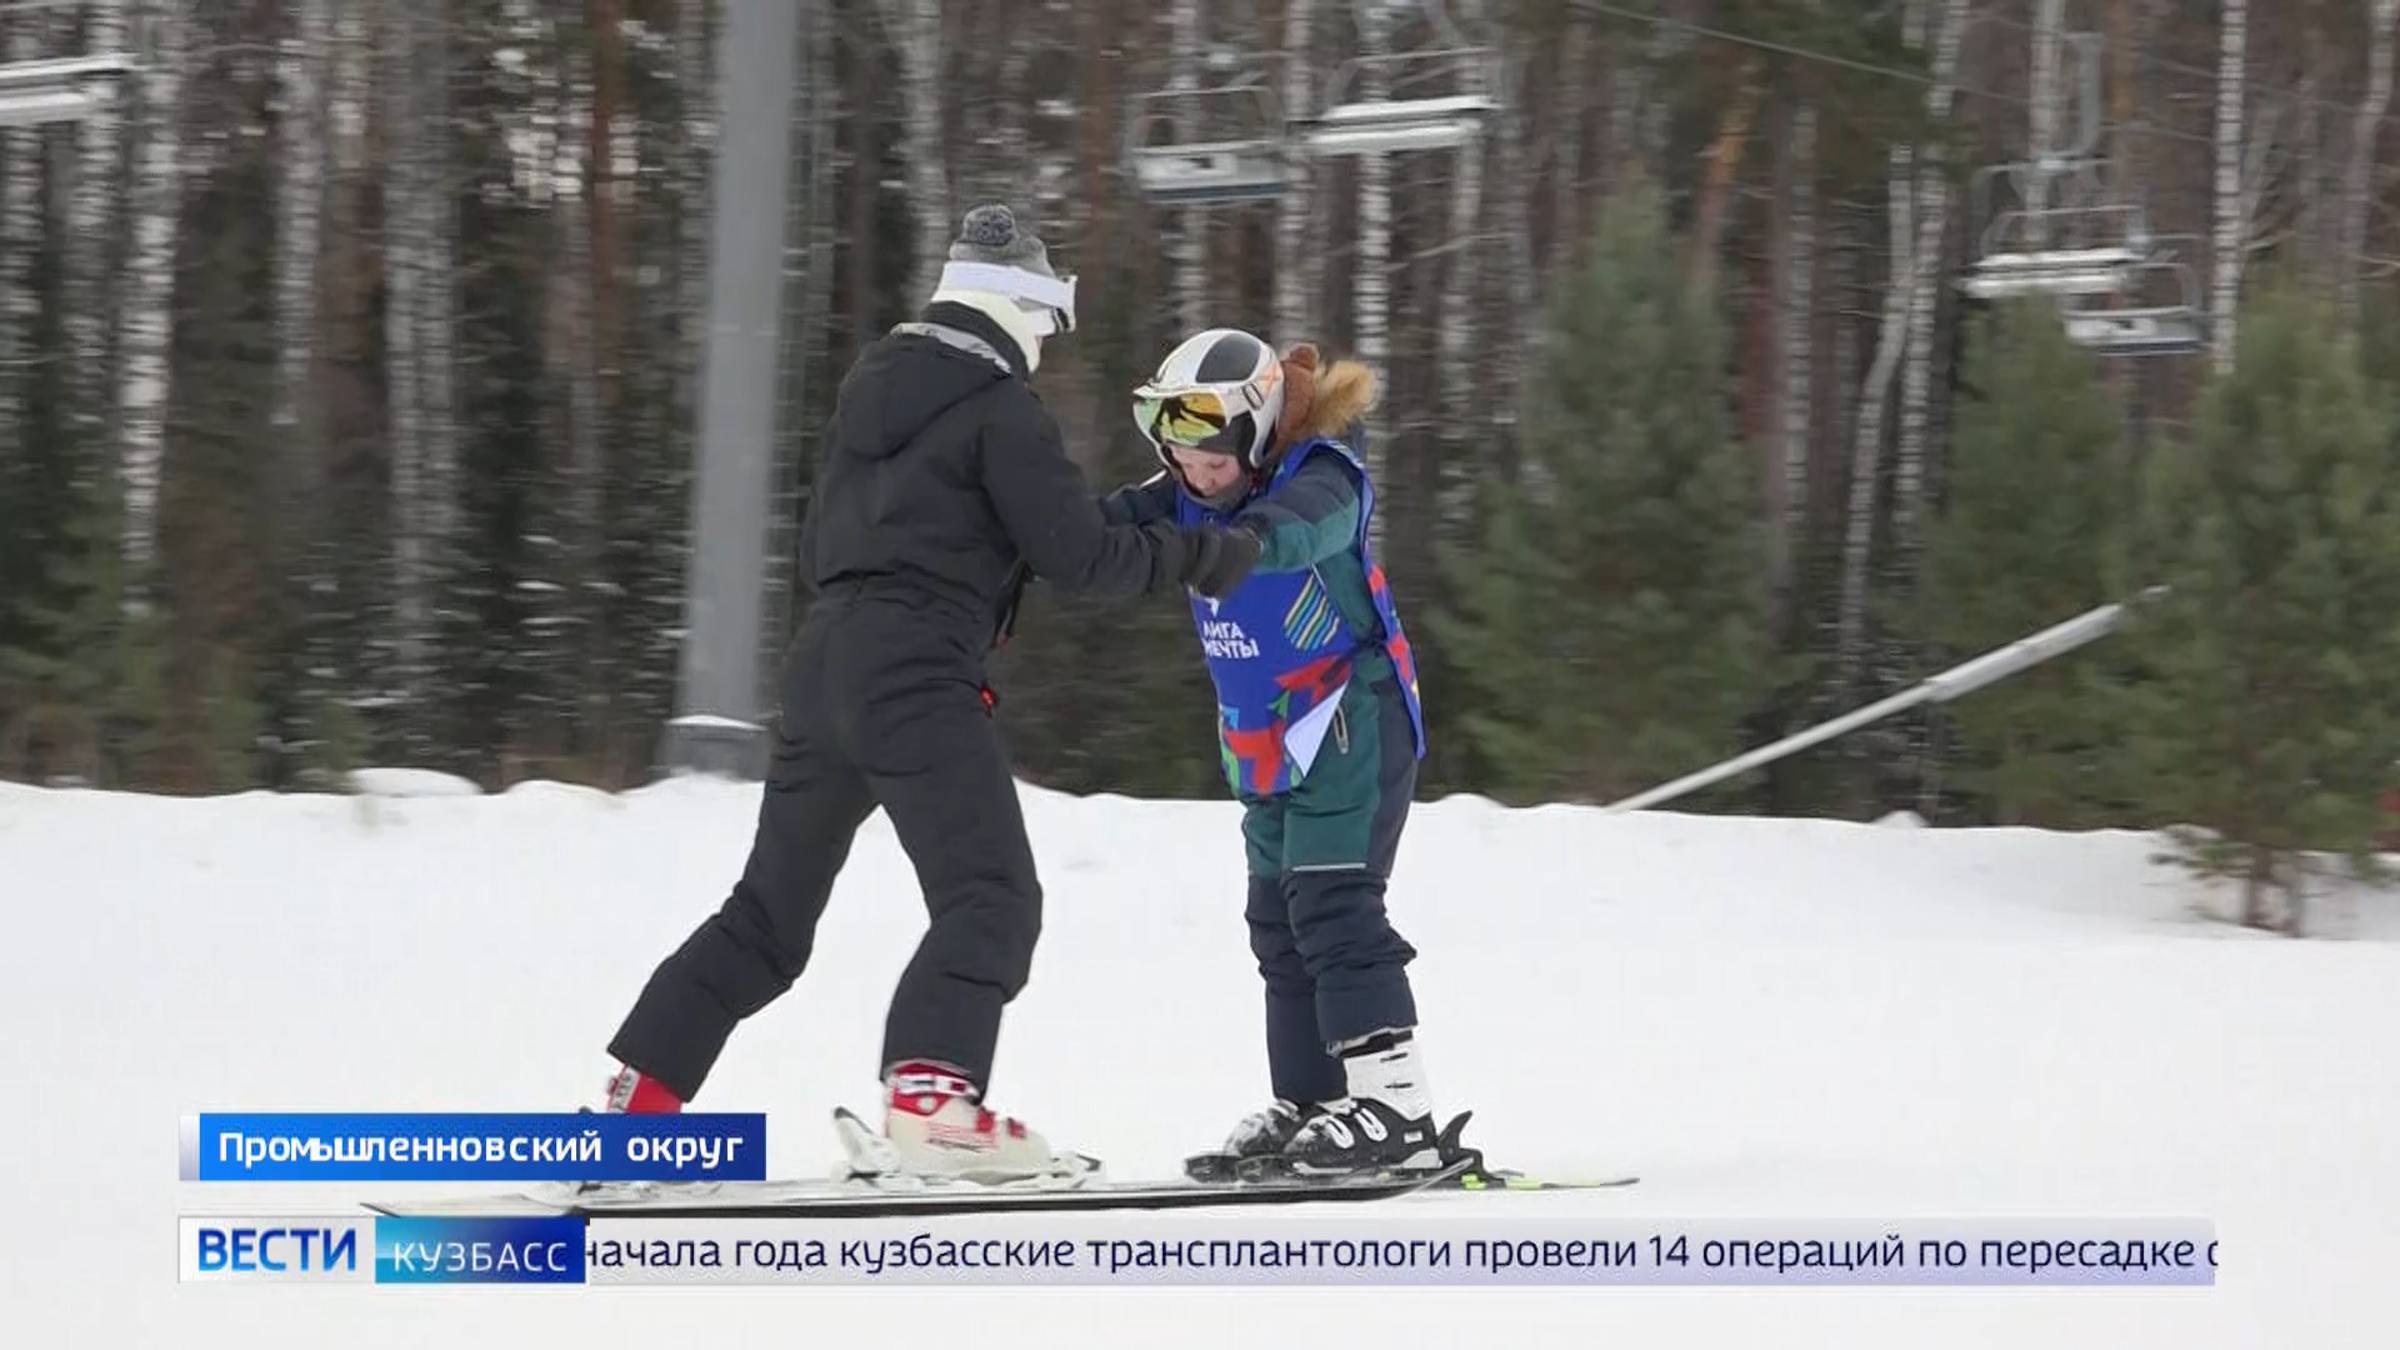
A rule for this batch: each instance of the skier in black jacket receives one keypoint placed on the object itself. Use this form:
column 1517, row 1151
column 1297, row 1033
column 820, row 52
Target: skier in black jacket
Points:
column 943, row 484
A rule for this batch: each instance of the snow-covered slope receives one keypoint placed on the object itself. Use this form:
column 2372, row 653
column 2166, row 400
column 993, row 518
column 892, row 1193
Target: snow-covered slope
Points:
column 1769, row 1018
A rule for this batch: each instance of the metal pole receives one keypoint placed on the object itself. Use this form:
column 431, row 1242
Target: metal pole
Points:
column 1823, row 731
column 1964, row 678
column 717, row 701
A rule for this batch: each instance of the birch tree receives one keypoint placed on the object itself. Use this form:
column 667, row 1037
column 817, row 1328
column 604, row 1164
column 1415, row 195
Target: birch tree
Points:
column 808, row 287
column 301, row 66
column 2316, row 233
column 1916, row 236
column 1372, row 285
column 1797, row 265
column 437, row 295
column 150, row 294
column 608, row 136
column 2358, row 184
column 2044, row 110
column 1845, row 258
column 419, row 237
column 1295, row 262
column 1190, row 247
column 1462, row 296
column 1866, row 458
column 1925, row 285
column 2232, row 224
column 1015, row 138
column 580, row 173
column 1566, row 137
column 1520, row 337
column 96, row 402
column 1051, row 156
column 696, row 128
column 21, row 227
column 915, row 27
column 404, row 268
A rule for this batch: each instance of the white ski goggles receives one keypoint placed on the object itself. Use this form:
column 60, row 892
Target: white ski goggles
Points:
column 1048, row 301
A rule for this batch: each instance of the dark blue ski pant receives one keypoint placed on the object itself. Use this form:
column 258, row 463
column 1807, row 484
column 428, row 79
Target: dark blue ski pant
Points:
column 1320, row 855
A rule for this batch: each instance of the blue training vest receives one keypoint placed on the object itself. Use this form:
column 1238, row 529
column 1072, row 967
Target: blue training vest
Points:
column 1280, row 651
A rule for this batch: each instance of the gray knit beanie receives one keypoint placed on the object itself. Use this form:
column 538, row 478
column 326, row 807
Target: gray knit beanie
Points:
column 990, row 235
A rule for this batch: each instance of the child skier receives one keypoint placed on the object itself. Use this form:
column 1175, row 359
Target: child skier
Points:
column 1320, row 732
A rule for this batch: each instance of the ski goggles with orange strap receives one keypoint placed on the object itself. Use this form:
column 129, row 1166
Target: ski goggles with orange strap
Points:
column 1197, row 418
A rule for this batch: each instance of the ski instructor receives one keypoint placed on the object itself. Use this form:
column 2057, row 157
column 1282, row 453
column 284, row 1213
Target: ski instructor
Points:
column 943, row 485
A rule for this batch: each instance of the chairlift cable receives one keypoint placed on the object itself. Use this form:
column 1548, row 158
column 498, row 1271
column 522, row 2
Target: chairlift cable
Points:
column 1602, row 7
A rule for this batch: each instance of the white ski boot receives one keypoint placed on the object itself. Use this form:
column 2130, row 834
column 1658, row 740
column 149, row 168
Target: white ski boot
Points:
column 1262, row 1134
column 1385, row 1122
column 935, row 1128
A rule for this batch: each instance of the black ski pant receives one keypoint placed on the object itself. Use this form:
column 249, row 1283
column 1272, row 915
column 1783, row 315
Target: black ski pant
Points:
column 882, row 706
column 1320, row 854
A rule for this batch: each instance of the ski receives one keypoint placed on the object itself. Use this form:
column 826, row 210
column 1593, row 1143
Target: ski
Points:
column 868, row 1184
column 1506, row 1179
column 1461, row 1174
column 872, row 1200
column 863, row 1199
column 506, row 1204
column 1461, row 1168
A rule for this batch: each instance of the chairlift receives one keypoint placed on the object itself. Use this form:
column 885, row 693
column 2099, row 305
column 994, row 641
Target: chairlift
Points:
column 2137, row 332
column 2090, row 271
column 2101, row 248
column 2067, row 234
column 1406, row 117
column 1246, row 165
column 2178, row 327
column 67, row 89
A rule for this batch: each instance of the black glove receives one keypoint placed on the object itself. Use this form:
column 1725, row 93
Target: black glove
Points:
column 1217, row 558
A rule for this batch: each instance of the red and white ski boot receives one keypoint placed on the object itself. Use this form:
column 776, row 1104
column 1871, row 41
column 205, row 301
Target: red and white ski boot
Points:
column 935, row 1126
column 629, row 1092
column 632, row 1092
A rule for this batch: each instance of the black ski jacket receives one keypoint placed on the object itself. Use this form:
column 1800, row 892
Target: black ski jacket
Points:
column 942, row 480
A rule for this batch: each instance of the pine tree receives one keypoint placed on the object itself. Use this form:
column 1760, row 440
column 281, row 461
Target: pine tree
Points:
column 85, row 680
column 220, row 532
column 646, row 491
column 2269, row 729
column 43, row 483
column 508, row 622
column 2040, row 496
column 1610, row 630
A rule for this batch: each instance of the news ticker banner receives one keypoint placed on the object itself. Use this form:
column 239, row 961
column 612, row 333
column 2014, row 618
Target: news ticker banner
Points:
column 1193, row 1249
column 474, row 1146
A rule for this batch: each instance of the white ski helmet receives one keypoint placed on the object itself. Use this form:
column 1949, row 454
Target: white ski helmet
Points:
column 1221, row 390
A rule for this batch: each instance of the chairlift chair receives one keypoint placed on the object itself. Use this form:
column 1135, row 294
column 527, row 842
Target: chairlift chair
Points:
column 2137, row 332
column 2090, row 271
column 2103, row 247
column 2177, row 327
column 68, row 89
column 1405, row 118
column 1213, row 169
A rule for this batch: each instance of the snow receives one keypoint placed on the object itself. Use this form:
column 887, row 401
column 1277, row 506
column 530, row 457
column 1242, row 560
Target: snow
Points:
column 411, row 783
column 1766, row 1018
